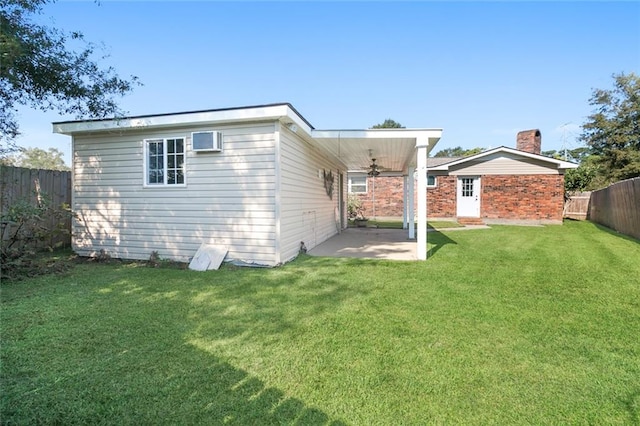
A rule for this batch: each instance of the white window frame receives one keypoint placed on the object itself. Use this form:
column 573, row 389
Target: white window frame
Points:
column 350, row 185
column 165, row 155
column 435, row 181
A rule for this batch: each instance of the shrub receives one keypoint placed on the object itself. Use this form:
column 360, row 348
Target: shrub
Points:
column 580, row 179
column 25, row 232
column 354, row 207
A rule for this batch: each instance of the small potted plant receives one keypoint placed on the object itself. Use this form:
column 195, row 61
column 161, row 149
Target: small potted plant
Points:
column 356, row 212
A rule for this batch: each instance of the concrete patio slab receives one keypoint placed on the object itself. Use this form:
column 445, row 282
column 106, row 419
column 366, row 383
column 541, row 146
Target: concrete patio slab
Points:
column 368, row 243
column 375, row 243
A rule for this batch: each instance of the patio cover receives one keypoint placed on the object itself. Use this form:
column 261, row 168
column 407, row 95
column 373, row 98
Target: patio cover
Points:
column 398, row 151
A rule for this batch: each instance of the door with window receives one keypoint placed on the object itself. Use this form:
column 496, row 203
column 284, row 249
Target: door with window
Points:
column 468, row 200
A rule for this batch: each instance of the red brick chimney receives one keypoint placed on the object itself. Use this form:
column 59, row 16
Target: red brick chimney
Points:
column 529, row 141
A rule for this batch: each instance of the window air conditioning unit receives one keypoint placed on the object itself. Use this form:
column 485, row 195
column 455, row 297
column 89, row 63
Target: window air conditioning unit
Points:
column 206, row 141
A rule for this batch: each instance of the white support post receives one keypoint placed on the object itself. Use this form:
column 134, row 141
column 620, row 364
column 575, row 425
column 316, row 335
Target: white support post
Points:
column 422, row 145
column 405, row 198
column 411, row 211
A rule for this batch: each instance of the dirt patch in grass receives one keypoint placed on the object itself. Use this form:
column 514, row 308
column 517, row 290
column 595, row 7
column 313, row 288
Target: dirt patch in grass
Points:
column 60, row 262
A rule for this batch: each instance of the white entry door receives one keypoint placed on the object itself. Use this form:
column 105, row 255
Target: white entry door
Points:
column 468, row 197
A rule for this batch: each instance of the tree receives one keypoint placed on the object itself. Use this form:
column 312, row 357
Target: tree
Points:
column 576, row 155
column 39, row 70
column 388, row 124
column 552, row 153
column 580, row 179
column 36, row 158
column 613, row 130
column 458, row 152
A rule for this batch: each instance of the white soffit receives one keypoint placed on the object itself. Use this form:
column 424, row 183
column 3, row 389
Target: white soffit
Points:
column 393, row 149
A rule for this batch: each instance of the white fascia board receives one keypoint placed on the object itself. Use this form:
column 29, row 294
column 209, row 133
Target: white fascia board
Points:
column 442, row 167
column 172, row 120
column 378, row 134
column 560, row 164
column 292, row 117
column 563, row 165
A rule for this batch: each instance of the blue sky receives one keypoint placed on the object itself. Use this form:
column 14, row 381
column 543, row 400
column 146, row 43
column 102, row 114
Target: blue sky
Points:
column 482, row 71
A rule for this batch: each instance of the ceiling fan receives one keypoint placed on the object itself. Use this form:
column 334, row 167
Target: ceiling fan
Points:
column 374, row 168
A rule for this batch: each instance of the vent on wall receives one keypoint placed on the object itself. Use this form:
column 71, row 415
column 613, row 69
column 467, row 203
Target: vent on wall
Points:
column 206, row 141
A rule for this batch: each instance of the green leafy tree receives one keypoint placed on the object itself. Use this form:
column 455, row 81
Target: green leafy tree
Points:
column 8, row 160
column 458, row 152
column 580, row 179
column 388, row 124
column 612, row 132
column 552, row 153
column 576, row 155
column 579, row 154
column 38, row 69
column 36, row 158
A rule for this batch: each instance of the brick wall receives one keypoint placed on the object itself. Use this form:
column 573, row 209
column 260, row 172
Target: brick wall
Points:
column 441, row 200
column 525, row 197
column 509, row 197
column 388, row 197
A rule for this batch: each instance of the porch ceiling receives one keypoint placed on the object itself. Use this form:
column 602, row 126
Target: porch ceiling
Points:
column 393, row 149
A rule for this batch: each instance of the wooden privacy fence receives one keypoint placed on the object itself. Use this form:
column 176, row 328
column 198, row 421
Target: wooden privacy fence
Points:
column 576, row 205
column 618, row 207
column 19, row 185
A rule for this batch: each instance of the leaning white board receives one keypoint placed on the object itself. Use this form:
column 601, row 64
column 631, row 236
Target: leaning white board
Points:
column 208, row 257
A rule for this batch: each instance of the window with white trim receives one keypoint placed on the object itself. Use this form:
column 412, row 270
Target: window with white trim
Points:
column 432, row 181
column 357, row 185
column 164, row 161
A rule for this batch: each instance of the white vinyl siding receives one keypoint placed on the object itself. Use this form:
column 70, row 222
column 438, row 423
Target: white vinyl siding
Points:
column 306, row 211
column 503, row 164
column 229, row 198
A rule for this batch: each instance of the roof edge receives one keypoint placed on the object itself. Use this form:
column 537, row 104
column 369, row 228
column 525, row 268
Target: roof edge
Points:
column 432, row 134
column 137, row 121
column 561, row 164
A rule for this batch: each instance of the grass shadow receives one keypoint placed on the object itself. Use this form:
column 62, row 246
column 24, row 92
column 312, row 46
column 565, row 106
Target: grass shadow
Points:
column 611, row 231
column 633, row 407
column 184, row 386
column 220, row 393
column 139, row 345
column 497, row 323
column 439, row 240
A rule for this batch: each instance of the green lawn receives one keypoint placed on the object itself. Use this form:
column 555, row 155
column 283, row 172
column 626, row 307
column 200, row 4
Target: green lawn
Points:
column 511, row 325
